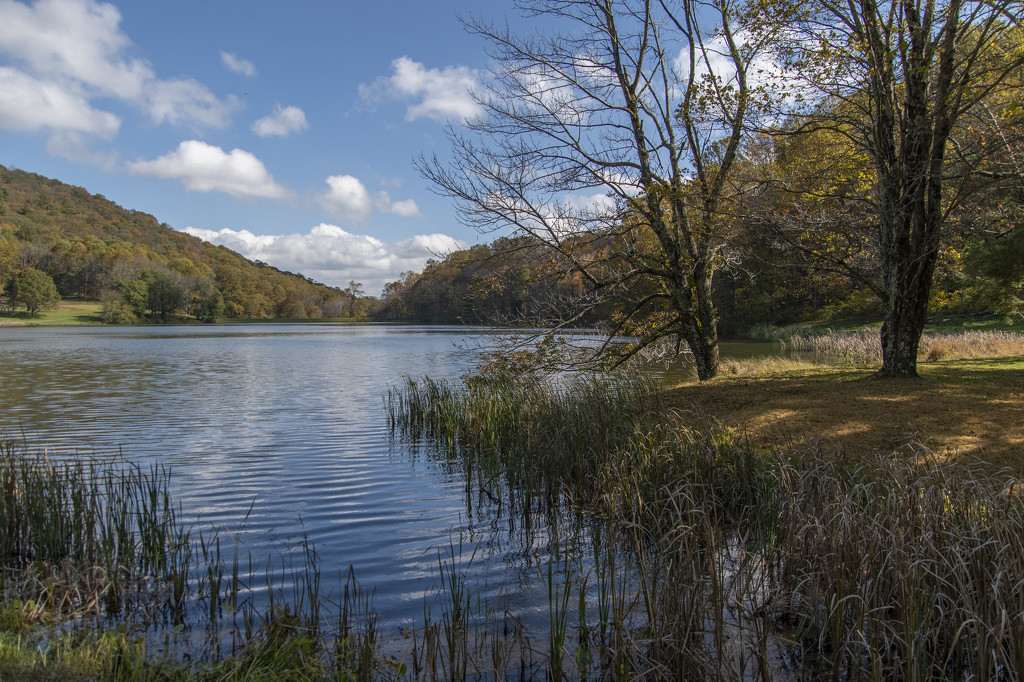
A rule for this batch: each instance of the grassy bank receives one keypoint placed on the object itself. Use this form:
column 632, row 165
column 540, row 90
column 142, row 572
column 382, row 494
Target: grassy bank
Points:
column 70, row 312
column 709, row 557
column 76, row 313
column 967, row 403
column 101, row 579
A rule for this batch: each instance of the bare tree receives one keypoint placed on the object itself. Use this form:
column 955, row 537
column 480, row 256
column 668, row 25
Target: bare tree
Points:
column 895, row 78
column 609, row 141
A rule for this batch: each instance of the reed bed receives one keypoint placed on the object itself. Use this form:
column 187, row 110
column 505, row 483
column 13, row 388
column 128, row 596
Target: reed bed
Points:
column 863, row 348
column 694, row 556
column 663, row 552
column 100, row 579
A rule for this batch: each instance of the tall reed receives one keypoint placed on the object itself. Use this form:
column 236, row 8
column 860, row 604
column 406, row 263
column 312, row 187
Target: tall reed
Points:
column 711, row 560
column 98, row 546
column 864, row 348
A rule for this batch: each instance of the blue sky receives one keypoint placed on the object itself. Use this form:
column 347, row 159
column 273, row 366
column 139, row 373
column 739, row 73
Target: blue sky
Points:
column 285, row 131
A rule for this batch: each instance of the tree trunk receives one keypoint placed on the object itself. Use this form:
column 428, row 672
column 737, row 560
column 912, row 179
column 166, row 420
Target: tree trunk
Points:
column 701, row 326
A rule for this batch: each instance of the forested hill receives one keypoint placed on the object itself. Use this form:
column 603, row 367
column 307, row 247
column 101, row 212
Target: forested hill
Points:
column 140, row 267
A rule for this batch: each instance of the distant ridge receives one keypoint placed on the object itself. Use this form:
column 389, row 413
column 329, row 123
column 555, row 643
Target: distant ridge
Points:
column 88, row 244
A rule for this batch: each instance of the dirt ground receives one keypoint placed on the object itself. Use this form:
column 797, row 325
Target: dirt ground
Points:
column 967, row 409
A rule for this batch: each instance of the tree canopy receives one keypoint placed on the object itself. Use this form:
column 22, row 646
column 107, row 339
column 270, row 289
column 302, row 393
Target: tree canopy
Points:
column 92, row 248
column 33, row 289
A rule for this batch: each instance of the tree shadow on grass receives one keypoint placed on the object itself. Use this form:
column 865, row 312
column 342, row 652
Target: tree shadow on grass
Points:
column 964, row 408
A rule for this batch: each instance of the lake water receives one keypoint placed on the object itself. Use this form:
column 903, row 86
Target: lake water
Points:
column 273, row 432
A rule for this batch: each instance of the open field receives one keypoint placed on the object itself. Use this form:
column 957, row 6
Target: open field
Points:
column 962, row 408
column 68, row 312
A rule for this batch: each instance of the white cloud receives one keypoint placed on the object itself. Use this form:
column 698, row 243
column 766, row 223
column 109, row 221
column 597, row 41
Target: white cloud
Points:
column 284, row 121
column 75, row 146
column 203, row 167
column 29, row 104
column 234, row 63
column 187, row 102
column 443, row 94
column 329, row 254
column 406, row 208
column 762, row 70
column 593, row 204
column 346, row 198
column 76, row 52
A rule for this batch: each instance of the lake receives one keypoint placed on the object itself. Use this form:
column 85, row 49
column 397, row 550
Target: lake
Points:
column 273, row 432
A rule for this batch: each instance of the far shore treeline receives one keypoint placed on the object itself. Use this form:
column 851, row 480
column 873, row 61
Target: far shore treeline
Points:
column 57, row 240
column 141, row 269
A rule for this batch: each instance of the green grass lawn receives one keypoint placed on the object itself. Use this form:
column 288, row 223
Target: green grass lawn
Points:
column 68, row 312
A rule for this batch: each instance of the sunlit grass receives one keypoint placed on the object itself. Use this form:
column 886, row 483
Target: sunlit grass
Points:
column 69, row 312
column 864, row 349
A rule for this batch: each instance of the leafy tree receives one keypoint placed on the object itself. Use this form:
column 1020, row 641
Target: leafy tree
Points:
column 895, row 78
column 134, row 294
column 1000, row 264
column 33, row 289
column 211, row 306
column 353, row 291
column 641, row 105
column 164, row 293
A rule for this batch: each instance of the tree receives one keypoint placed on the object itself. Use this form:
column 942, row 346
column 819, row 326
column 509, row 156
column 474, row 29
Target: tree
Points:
column 895, row 78
column 165, row 292
column 134, row 294
column 33, row 289
column 604, row 108
column 353, row 291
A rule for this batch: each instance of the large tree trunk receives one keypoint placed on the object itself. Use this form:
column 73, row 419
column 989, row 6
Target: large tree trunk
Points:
column 700, row 329
column 908, row 264
column 905, row 307
column 909, row 147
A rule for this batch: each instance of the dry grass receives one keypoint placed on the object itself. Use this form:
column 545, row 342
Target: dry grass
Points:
column 964, row 408
column 713, row 559
column 970, row 345
column 863, row 348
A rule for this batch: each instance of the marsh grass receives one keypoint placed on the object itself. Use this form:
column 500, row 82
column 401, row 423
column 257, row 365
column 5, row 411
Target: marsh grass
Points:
column 662, row 551
column 863, row 348
column 101, row 580
column 709, row 560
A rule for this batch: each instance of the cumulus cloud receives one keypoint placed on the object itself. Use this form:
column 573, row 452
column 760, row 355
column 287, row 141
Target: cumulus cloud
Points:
column 284, row 121
column 187, row 102
column 232, row 63
column 593, row 204
column 73, row 52
column 346, row 198
column 406, row 208
column 329, row 254
column 441, row 94
column 763, row 70
column 204, row 168
column 29, row 104
column 78, row 147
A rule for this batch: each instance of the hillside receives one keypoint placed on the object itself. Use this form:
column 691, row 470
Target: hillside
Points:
column 140, row 267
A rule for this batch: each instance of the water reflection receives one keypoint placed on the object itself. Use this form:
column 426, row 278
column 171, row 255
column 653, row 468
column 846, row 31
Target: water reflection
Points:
column 283, row 419
column 275, row 433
